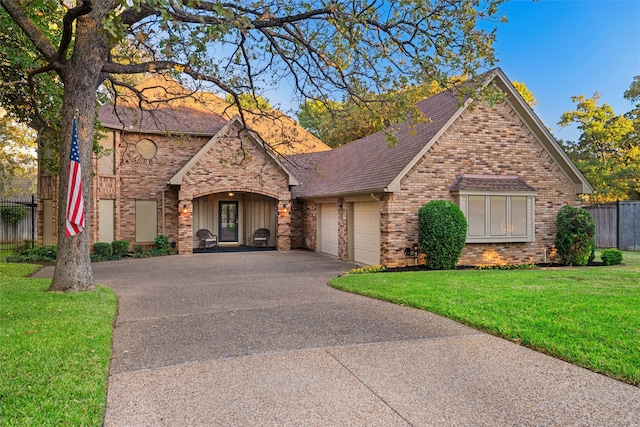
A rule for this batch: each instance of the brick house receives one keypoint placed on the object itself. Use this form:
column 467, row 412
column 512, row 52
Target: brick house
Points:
column 358, row 202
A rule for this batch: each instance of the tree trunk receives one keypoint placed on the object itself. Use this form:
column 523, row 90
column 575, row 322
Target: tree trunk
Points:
column 81, row 76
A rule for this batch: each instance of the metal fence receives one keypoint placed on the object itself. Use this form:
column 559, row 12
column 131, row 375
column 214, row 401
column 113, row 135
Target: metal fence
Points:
column 617, row 225
column 17, row 222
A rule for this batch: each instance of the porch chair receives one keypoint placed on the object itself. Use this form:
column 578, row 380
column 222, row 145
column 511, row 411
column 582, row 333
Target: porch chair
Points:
column 207, row 240
column 261, row 235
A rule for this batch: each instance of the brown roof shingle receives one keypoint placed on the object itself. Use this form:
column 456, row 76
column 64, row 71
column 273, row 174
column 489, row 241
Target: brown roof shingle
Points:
column 182, row 120
column 490, row 183
column 371, row 163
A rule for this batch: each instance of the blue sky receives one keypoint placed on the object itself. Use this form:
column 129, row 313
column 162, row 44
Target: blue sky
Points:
column 562, row 48
column 559, row 49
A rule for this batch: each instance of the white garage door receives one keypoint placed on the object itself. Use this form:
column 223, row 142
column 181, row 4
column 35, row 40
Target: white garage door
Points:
column 329, row 229
column 366, row 233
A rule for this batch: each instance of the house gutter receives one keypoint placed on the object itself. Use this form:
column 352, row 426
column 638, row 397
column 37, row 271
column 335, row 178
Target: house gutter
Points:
column 163, row 213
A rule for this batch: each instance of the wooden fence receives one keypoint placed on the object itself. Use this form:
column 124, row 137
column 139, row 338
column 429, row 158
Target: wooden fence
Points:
column 617, row 225
column 17, row 221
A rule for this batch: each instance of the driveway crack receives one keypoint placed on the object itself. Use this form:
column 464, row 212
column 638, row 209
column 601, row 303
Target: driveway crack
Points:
column 365, row 385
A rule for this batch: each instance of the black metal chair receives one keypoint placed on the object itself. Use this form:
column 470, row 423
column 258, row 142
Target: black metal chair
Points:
column 207, row 240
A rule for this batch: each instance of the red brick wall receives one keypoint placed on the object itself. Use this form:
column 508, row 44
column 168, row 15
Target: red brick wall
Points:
column 484, row 140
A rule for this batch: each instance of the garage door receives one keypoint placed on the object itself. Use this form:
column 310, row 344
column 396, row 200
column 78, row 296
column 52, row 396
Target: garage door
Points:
column 366, row 233
column 329, row 229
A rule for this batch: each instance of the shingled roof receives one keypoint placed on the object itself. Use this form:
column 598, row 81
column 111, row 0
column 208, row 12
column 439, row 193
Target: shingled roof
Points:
column 184, row 120
column 188, row 112
column 507, row 183
column 372, row 163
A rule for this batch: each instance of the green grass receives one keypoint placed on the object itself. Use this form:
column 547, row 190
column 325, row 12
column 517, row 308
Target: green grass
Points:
column 588, row 316
column 54, row 351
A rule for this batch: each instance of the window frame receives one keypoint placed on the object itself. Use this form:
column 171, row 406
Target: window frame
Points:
column 461, row 199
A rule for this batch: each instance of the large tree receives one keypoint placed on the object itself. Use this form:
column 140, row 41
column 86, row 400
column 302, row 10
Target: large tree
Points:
column 606, row 152
column 323, row 47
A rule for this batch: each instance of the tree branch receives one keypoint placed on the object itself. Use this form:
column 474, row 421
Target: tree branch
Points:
column 67, row 26
column 39, row 40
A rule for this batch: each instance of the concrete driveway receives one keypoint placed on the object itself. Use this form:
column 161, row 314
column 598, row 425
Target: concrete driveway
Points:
column 258, row 339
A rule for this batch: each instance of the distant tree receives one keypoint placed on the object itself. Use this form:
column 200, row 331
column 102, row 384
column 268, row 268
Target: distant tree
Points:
column 239, row 47
column 18, row 169
column 525, row 93
column 604, row 153
column 338, row 123
column 249, row 101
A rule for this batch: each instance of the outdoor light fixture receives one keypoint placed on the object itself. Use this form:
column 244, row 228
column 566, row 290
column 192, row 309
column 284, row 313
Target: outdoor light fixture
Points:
column 340, row 205
column 284, row 209
column 231, row 193
column 184, row 209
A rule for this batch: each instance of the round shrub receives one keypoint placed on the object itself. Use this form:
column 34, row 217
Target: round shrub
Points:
column 102, row 251
column 442, row 233
column 575, row 235
column 120, row 248
column 611, row 256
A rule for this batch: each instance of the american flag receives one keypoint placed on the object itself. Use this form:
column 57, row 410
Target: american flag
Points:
column 75, row 203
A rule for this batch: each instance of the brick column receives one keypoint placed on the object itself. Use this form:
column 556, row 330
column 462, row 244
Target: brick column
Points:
column 343, row 229
column 284, row 225
column 185, row 227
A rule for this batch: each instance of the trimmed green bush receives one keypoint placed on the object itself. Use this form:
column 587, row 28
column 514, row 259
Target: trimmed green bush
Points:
column 35, row 255
column 102, row 252
column 140, row 252
column 611, row 256
column 120, row 248
column 162, row 246
column 575, row 235
column 442, row 233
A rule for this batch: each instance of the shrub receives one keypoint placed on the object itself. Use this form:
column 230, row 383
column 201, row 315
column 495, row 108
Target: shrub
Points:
column 102, row 252
column 139, row 252
column 120, row 248
column 611, row 257
column 13, row 214
column 35, row 255
column 442, row 233
column 575, row 235
column 162, row 246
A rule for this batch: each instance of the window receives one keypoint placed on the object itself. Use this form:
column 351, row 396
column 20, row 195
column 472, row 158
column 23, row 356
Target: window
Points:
column 106, row 161
column 146, row 220
column 498, row 209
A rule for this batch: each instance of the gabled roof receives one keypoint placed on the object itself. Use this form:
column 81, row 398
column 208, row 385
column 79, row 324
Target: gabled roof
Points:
column 172, row 108
column 235, row 124
column 371, row 164
column 163, row 120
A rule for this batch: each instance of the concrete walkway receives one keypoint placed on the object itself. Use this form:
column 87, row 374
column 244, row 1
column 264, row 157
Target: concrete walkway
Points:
column 258, row 339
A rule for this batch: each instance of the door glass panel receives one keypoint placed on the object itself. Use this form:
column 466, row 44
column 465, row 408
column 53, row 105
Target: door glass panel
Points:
column 228, row 221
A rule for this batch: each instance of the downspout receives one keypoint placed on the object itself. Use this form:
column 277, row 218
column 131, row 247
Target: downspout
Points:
column 375, row 198
column 163, row 213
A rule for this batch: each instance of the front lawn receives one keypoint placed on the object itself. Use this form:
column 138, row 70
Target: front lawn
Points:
column 589, row 316
column 54, row 351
